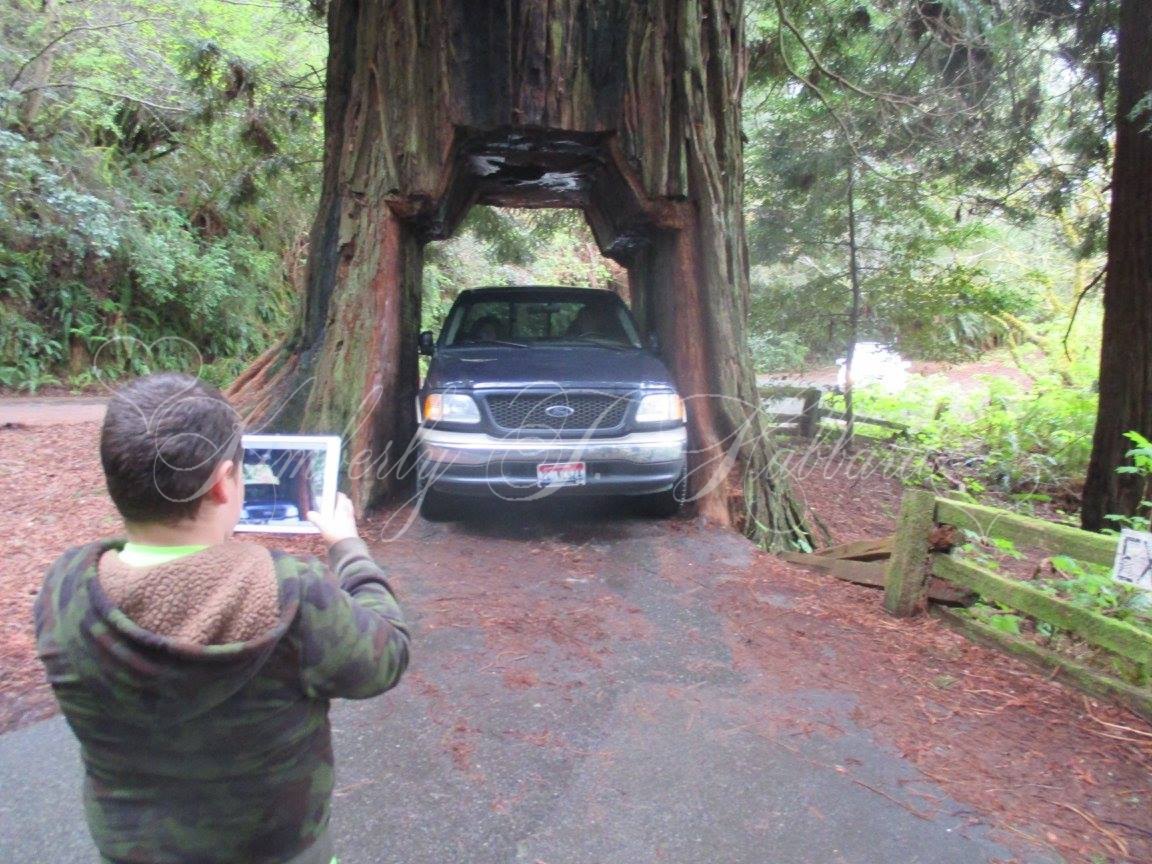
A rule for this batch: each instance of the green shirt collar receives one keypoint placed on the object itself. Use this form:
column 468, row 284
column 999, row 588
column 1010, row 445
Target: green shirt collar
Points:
column 141, row 555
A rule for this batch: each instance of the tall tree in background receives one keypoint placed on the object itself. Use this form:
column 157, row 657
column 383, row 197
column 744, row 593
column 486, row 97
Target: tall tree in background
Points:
column 1126, row 356
column 882, row 93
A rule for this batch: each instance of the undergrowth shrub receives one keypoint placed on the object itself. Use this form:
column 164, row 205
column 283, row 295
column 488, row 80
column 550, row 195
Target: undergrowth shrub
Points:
column 1026, row 442
column 172, row 215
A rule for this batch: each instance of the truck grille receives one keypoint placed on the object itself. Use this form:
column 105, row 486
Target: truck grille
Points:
column 529, row 411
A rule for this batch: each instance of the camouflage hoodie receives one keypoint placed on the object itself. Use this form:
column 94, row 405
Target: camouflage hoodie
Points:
column 203, row 753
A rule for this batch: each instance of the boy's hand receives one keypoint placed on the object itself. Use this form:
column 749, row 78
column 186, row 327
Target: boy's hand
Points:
column 340, row 525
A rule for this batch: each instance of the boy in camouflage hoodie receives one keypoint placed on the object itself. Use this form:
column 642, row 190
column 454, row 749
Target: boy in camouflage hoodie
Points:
column 197, row 670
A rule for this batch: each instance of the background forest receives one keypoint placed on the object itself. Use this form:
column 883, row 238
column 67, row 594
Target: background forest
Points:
column 930, row 176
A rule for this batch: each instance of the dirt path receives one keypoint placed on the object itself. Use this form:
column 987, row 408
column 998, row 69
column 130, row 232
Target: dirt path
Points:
column 50, row 410
column 588, row 687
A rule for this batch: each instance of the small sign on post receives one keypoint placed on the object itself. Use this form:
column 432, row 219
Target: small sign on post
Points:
column 1133, row 564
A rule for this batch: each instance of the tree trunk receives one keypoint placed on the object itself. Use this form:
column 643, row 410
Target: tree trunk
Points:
column 1126, row 355
column 628, row 111
column 853, row 315
column 39, row 71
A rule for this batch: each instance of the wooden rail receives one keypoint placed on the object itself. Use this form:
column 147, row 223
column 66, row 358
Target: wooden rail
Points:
column 1116, row 636
column 1139, row 699
column 808, row 419
column 912, row 566
column 1026, row 531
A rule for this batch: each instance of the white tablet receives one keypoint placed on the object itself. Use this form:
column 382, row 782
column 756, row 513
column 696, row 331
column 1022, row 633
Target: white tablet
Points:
column 285, row 476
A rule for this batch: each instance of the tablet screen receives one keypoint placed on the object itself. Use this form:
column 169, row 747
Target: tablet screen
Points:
column 286, row 476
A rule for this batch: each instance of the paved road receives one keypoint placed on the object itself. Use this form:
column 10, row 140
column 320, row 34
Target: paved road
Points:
column 573, row 700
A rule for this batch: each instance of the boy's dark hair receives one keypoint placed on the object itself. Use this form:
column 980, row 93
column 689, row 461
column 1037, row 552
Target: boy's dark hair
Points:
column 163, row 436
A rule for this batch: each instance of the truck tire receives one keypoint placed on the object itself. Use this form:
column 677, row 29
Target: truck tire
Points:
column 434, row 506
column 664, row 505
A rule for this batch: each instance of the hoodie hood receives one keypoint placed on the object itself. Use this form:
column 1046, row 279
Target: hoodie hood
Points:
column 502, row 366
column 174, row 640
column 223, row 594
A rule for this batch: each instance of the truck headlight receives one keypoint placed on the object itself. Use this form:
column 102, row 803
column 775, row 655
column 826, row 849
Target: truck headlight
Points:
column 450, row 408
column 660, row 408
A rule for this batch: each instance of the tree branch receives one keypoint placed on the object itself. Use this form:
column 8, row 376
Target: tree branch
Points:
column 65, row 86
column 917, row 103
column 247, row 3
column 848, row 137
column 1076, row 307
column 824, row 70
column 54, row 42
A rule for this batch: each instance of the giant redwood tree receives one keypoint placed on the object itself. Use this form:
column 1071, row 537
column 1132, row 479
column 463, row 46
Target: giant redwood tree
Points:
column 1126, row 356
column 628, row 110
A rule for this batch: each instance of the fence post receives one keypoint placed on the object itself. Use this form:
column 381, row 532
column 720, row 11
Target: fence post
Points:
column 810, row 414
column 907, row 568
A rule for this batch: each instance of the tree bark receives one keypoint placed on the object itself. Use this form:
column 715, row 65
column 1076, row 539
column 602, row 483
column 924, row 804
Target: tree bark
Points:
column 1126, row 354
column 628, row 111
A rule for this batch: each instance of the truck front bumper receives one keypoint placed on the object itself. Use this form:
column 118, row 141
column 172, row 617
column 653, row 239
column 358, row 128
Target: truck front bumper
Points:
column 473, row 463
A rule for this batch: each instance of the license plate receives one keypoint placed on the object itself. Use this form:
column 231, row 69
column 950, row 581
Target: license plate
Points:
column 561, row 474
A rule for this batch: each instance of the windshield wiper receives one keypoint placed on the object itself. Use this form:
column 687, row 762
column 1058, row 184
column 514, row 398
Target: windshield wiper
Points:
column 603, row 342
column 495, row 342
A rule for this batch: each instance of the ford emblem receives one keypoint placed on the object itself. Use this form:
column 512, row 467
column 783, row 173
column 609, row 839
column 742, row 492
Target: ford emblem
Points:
column 559, row 411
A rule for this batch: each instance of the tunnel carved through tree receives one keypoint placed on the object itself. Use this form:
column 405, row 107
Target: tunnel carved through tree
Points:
column 628, row 111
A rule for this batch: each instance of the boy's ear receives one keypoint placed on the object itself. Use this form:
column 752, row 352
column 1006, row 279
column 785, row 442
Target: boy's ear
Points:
column 220, row 484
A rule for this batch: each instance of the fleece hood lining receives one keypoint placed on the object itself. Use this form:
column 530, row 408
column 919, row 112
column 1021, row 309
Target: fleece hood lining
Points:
column 115, row 618
column 224, row 594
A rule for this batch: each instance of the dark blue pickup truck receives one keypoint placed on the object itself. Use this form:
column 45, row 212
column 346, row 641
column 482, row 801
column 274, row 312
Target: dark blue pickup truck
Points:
column 539, row 391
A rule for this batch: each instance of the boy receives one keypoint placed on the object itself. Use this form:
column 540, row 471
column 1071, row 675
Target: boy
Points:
column 196, row 670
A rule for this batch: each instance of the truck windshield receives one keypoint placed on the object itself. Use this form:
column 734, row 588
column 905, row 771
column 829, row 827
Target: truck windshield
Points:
column 595, row 321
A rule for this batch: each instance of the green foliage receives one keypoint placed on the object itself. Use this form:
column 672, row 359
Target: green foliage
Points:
column 844, row 96
column 1089, row 586
column 777, row 352
column 161, row 195
column 998, row 617
column 27, row 353
column 40, row 205
column 1027, row 441
column 512, row 247
column 1092, row 587
column 1141, row 456
column 988, row 552
column 976, row 136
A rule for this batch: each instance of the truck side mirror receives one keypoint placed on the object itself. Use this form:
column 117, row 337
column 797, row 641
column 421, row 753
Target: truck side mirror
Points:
column 427, row 343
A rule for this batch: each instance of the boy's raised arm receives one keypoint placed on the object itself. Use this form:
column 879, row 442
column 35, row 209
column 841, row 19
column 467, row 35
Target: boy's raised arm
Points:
column 354, row 642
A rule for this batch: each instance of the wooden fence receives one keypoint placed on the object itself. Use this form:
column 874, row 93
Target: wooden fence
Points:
column 801, row 408
column 911, row 565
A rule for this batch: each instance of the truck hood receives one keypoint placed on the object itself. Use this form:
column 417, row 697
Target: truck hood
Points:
column 500, row 366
